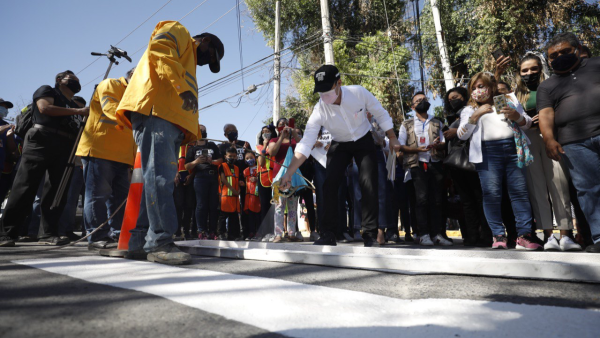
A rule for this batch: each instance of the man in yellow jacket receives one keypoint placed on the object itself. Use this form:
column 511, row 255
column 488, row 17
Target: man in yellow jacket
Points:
column 160, row 105
column 107, row 155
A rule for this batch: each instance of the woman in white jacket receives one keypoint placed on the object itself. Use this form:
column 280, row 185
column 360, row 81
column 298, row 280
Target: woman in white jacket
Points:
column 500, row 151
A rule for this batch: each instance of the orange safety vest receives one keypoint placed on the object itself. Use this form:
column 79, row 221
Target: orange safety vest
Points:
column 266, row 171
column 252, row 201
column 229, row 202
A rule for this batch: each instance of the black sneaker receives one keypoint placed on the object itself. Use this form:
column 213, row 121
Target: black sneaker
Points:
column 139, row 254
column 393, row 238
column 594, row 248
column 6, row 241
column 27, row 239
column 72, row 236
column 222, row 237
column 54, row 240
column 327, row 238
column 371, row 242
column 408, row 238
column 169, row 254
column 107, row 243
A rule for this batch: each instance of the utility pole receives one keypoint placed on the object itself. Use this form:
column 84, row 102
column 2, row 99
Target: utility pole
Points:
column 327, row 37
column 277, row 70
column 448, row 79
column 420, row 45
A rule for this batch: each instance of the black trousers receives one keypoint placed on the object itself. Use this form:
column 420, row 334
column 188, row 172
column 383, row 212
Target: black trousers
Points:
column 429, row 191
column 185, row 206
column 44, row 152
column 338, row 158
column 232, row 230
column 468, row 186
column 265, row 225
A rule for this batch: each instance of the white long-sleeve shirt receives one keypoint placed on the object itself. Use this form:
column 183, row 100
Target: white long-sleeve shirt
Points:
column 346, row 122
column 476, row 132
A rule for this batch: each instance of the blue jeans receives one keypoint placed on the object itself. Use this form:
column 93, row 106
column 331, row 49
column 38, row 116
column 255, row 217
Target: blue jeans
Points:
column 206, row 186
column 158, row 142
column 66, row 224
column 583, row 160
column 106, row 187
column 500, row 163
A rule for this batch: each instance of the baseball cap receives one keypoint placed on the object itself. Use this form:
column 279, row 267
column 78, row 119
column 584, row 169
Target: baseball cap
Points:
column 7, row 103
column 216, row 43
column 325, row 77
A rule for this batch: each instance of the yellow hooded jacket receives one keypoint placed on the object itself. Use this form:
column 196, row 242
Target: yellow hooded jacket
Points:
column 167, row 69
column 100, row 138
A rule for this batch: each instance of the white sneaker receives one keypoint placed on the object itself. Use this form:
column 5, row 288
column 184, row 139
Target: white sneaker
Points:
column 314, row 236
column 440, row 240
column 348, row 237
column 552, row 244
column 425, row 240
column 567, row 244
column 357, row 236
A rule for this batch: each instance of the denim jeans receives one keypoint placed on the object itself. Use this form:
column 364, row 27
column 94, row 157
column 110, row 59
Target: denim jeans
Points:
column 158, row 142
column 583, row 160
column 207, row 201
column 66, row 224
column 106, row 187
column 499, row 164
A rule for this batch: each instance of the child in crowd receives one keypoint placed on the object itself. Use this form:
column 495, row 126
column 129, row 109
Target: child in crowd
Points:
column 229, row 187
column 252, row 202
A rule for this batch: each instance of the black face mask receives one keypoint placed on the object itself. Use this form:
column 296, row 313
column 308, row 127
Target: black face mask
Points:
column 532, row 81
column 232, row 136
column 456, row 104
column 423, row 106
column 203, row 133
column 203, row 57
column 230, row 160
column 564, row 62
column 73, row 86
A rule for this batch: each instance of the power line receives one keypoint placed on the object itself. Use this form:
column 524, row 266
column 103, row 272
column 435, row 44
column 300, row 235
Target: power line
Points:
column 240, row 45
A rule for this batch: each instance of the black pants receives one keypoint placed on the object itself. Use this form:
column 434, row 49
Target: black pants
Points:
column 185, row 204
column 429, row 187
column 265, row 225
column 243, row 215
column 44, row 151
column 338, row 158
column 253, row 221
column 206, row 186
column 468, row 186
column 232, row 230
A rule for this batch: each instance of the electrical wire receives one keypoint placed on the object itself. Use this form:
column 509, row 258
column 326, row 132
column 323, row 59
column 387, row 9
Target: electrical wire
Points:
column 240, row 45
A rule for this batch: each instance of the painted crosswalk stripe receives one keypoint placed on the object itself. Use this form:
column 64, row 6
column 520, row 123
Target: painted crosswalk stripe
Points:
column 301, row 310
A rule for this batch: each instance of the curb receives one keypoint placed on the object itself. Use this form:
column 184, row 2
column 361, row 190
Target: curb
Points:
column 520, row 265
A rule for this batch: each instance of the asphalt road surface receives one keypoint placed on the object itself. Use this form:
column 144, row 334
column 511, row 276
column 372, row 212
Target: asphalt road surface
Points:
column 75, row 293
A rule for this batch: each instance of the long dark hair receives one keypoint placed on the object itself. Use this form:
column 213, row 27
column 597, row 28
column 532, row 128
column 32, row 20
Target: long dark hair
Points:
column 271, row 129
column 447, row 106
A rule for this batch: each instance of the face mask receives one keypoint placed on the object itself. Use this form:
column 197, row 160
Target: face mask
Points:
column 203, row 133
column 564, row 62
column 279, row 129
column 532, row 81
column 251, row 162
column 3, row 112
column 423, row 106
column 266, row 136
column 73, row 86
column 456, row 104
column 480, row 94
column 230, row 160
column 329, row 97
column 232, row 136
column 203, row 57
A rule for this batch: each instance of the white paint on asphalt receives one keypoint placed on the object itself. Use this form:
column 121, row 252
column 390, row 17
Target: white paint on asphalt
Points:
column 302, row 310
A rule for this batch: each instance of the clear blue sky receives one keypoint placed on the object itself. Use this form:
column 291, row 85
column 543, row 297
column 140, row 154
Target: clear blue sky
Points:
column 43, row 38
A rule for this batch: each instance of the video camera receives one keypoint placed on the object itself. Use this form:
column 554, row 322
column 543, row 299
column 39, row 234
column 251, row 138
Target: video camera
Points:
column 114, row 52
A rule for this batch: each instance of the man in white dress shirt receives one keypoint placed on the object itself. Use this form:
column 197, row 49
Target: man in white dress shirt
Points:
column 343, row 112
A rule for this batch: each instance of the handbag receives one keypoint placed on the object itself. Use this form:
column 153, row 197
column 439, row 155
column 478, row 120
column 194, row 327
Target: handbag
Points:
column 458, row 157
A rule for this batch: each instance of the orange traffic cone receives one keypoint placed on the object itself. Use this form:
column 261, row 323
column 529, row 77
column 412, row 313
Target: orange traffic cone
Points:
column 134, row 200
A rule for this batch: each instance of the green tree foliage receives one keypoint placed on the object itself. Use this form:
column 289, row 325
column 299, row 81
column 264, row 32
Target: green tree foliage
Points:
column 473, row 29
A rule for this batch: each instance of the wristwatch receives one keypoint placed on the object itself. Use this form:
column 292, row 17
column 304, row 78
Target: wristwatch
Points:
column 471, row 121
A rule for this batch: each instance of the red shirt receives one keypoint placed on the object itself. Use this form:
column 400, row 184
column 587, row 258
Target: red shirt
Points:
column 280, row 156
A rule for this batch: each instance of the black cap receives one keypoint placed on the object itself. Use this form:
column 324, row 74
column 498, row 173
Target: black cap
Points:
column 325, row 78
column 7, row 103
column 216, row 43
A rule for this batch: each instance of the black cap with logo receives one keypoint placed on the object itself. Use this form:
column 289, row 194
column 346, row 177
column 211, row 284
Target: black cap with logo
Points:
column 325, row 77
column 216, row 43
column 7, row 103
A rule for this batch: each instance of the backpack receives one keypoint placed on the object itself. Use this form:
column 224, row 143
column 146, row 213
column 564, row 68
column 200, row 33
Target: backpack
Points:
column 24, row 121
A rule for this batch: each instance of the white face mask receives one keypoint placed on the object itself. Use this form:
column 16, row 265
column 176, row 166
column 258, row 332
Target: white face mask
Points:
column 3, row 112
column 329, row 97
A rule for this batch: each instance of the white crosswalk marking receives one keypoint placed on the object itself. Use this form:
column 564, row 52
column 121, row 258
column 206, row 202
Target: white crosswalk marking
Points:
column 302, row 310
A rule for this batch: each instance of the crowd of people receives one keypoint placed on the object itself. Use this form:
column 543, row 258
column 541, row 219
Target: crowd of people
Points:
column 504, row 160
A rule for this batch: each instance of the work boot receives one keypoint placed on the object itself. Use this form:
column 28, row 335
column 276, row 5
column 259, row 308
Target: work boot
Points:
column 169, row 254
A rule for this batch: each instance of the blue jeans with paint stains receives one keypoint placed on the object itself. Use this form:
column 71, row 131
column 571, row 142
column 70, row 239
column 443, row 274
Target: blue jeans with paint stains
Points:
column 158, row 142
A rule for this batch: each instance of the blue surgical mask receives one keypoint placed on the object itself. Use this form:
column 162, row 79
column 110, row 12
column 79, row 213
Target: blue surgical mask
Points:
column 3, row 112
column 251, row 162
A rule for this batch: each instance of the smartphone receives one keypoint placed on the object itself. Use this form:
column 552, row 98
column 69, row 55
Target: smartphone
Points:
column 205, row 152
column 497, row 53
column 292, row 123
column 499, row 103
